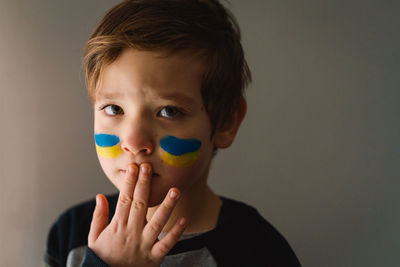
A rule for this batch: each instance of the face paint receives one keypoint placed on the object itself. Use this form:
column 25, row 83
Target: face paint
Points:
column 106, row 145
column 180, row 152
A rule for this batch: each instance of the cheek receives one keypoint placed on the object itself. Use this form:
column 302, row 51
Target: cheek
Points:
column 178, row 152
column 107, row 145
column 108, row 150
column 106, row 164
column 186, row 177
column 108, row 169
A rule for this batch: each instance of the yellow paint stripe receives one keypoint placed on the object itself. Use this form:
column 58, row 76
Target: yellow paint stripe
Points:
column 182, row 160
column 109, row 152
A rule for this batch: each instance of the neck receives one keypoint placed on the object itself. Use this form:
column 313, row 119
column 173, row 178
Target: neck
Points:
column 199, row 205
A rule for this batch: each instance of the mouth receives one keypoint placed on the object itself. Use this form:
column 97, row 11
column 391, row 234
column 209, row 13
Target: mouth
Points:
column 154, row 174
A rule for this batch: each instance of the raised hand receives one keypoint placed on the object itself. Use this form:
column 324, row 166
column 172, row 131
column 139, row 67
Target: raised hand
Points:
column 129, row 240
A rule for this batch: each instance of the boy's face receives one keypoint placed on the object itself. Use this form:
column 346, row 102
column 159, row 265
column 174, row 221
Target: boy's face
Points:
column 149, row 108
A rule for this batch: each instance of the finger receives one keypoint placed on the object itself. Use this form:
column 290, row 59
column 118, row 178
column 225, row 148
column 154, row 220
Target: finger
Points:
column 126, row 195
column 99, row 219
column 138, row 211
column 160, row 218
column 162, row 247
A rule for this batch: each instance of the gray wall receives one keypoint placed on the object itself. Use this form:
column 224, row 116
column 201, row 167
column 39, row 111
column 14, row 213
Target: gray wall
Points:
column 318, row 153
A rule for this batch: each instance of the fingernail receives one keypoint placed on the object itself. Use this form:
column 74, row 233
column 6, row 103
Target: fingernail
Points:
column 182, row 221
column 132, row 169
column 145, row 169
column 173, row 194
column 97, row 200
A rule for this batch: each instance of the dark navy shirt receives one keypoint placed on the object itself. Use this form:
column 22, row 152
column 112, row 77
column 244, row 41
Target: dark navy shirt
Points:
column 242, row 237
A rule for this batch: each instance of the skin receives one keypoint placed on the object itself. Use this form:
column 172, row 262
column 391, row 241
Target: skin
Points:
column 142, row 97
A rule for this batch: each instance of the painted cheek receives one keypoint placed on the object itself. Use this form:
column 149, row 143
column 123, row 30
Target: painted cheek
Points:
column 180, row 152
column 106, row 145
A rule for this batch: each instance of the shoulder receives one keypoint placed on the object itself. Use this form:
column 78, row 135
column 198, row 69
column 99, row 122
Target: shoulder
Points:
column 71, row 229
column 239, row 214
column 236, row 209
column 252, row 239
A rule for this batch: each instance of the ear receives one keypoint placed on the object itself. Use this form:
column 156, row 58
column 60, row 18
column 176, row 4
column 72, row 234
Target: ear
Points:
column 225, row 135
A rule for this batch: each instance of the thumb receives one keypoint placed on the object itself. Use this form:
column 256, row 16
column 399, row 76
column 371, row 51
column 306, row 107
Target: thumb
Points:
column 99, row 220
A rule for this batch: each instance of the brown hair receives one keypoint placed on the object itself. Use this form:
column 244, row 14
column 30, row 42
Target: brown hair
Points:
column 176, row 25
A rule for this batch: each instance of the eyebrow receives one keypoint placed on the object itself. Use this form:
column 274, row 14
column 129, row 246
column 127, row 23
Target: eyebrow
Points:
column 106, row 95
column 167, row 96
column 178, row 97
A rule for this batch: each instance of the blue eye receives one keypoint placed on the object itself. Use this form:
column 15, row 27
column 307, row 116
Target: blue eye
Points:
column 112, row 110
column 170, row 112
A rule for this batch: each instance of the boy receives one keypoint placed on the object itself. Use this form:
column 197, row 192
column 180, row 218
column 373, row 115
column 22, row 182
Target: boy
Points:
column 166, row 78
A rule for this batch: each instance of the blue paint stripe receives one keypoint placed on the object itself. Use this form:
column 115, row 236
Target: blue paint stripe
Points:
column 106, row 140
column 177, row 146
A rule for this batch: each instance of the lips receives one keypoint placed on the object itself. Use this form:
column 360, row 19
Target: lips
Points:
column 154, row 173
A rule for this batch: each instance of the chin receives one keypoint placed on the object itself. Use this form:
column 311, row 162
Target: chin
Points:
column 157, row 196
column 154, row 202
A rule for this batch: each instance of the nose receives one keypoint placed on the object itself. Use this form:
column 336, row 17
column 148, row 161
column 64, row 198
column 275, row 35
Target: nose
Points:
column 137, row 138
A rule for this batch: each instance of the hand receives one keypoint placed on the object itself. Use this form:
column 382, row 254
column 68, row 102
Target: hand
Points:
column 129, row 240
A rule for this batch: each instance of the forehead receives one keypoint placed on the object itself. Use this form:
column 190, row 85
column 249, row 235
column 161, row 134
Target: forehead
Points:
column 153, row 71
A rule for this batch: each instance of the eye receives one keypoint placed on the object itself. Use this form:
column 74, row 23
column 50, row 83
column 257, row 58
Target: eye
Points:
column 112, row 110
column 170, row 112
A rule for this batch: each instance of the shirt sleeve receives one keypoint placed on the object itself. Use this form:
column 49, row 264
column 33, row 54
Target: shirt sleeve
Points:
column 49, row 261
column 51, row 257
column 92, row 260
